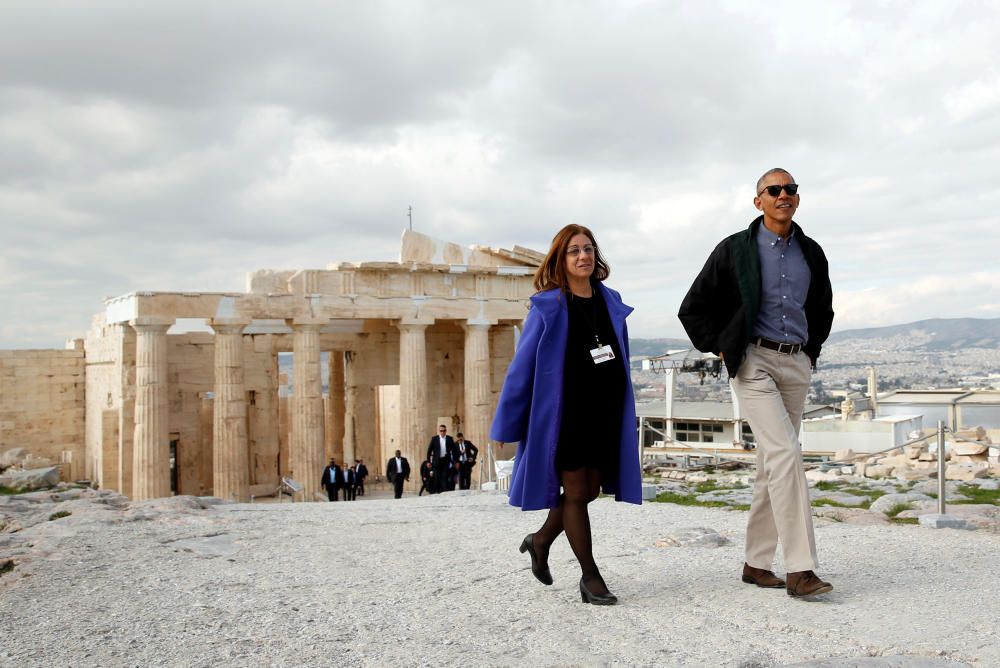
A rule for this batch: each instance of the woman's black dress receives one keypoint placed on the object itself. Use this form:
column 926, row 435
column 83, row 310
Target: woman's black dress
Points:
column 593, row 394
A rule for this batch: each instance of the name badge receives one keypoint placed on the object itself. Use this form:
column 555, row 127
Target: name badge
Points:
column 602, row 354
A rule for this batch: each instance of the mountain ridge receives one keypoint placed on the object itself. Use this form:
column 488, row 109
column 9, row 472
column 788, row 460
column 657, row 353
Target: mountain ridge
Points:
column 933, row 334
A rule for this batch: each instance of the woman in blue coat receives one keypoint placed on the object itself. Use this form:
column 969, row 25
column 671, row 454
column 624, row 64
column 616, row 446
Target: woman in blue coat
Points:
column 567, row 401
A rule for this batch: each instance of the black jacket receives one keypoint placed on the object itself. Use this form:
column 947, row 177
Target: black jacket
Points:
column 391, row 472
column 721, row 307
column 435, row 445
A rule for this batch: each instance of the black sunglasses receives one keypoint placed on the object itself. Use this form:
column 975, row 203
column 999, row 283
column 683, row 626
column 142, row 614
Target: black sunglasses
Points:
column 774, row 191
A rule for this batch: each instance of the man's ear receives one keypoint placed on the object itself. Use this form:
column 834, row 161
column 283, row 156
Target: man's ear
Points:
column 757, row 203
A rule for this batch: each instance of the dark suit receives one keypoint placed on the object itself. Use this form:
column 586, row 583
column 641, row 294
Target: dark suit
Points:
column 443, row 466
column 397, row 477
column 331, row 481
column 348, row 481
column 465, row 467
column 361, row 474
column 426, row 481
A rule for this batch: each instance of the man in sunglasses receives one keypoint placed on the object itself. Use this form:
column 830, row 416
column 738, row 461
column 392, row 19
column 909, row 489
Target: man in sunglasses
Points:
column 763, row 303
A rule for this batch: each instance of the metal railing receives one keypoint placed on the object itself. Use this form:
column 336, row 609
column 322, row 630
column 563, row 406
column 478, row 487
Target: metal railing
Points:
column 488, row 469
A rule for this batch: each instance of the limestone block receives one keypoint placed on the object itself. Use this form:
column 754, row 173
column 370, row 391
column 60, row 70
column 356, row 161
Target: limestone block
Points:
column 963, row 448
column 41, row 478
column 907, row 474
column 913, row 451
column 878, row 471
column 885, row 503
column 844, row 455
column 895, row 460
column 13, row 457
column 964, row 472
column 860, row 467
column 851, row 515
column 928, row 457
column 974, row 433
column 969, row 459
column 816, row 475
column 895, row 452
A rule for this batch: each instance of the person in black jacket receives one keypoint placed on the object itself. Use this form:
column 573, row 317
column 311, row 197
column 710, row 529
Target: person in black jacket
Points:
column 426, row 476
column 441, row 450
column 349, row 482
column 764, row 304
column 361, row 472
column 397, row 470
column 465, row 460
column 331, row 480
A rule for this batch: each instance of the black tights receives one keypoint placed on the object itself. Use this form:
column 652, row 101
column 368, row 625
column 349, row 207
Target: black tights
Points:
column 580, row 487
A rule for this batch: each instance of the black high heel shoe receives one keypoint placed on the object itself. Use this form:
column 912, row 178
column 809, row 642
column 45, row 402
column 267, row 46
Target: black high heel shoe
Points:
column 596, row 599
column 543, row 574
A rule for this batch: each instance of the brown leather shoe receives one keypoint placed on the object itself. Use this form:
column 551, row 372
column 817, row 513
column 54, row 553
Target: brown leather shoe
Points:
column 761, row 577
column 806, row 583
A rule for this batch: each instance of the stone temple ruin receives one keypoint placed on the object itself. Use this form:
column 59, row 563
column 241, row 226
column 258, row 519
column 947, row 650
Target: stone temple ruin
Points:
column 139, row 409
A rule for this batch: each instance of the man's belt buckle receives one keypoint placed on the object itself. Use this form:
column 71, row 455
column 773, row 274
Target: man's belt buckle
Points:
column 788, row 348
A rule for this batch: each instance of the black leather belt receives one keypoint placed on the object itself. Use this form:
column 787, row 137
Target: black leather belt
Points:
column 783, row 348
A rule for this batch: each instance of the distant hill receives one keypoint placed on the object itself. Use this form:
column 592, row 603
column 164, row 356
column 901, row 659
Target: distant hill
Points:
column 650, row 347
column 933, row 334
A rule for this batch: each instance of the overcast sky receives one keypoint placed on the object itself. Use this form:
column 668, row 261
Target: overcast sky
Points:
column 181, row 145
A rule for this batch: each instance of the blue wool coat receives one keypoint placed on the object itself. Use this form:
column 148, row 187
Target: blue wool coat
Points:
column 529, row 411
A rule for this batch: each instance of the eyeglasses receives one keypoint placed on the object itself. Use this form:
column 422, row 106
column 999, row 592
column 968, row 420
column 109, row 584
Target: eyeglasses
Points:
column 774, row 191
column 573, row 251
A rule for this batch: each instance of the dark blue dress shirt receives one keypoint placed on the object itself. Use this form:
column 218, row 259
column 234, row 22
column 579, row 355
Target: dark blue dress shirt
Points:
column 784, row 284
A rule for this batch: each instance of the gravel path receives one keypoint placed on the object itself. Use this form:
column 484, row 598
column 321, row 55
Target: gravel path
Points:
column 438, row 581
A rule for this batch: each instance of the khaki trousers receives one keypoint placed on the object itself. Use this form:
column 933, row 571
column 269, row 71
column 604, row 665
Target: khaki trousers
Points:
column 771, row 388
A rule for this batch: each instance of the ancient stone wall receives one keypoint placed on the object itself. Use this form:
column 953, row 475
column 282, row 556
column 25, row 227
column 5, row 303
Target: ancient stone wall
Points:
column 102, row 345
column 42, row 404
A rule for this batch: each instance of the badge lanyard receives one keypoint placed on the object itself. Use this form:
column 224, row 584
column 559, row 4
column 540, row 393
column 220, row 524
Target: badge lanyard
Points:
column 599, row 353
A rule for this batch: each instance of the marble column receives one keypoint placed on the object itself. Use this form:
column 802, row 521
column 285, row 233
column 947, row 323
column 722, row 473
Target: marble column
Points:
column 230, row 461
column 150, row 441
column 478, row 398
column 350, row 441
column 306, row 447
column 336, row 414
column 413, row 427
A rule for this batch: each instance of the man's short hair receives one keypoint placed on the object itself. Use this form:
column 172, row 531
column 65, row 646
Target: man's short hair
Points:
column 775, row 170
column 459, row 435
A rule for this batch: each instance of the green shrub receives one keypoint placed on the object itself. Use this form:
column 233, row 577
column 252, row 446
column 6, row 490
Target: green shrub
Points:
column 827, row 485
column 707, row 486
column 897, row 509
column 978, row 495
column 829, row 502
column 59, row 515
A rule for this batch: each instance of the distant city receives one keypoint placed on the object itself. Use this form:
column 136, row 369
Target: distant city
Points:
column 929, row 354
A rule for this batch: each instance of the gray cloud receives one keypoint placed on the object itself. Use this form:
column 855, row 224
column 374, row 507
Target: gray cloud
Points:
column 180, row 145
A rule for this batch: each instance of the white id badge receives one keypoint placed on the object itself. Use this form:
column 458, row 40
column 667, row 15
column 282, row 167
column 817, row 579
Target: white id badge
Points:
column 602, row 354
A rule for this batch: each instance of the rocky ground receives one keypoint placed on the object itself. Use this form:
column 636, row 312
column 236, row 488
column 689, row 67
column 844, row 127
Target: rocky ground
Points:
column 93, row 579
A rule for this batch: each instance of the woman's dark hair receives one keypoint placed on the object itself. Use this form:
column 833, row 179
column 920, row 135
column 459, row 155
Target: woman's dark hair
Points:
column 552, row 273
